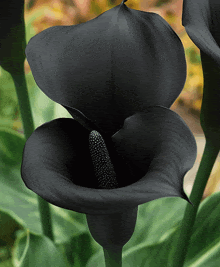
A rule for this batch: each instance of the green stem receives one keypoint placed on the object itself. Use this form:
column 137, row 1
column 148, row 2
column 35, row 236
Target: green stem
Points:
column 28, row 126
column 113, row 258
column 45, row 216
column 208, row 159
column 24, row 104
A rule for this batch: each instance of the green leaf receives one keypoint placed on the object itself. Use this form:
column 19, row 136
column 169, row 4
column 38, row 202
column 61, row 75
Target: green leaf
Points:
column 7, row 263
column 204, row 248
column 79, row 249
column 20, row 202
column 157, row 220
column 10, row 148
column 8, row 96
column 141, row 255
column 98, row 260
column 35, row 250
column 153, row 255
column 43, row 108
column 6, row 123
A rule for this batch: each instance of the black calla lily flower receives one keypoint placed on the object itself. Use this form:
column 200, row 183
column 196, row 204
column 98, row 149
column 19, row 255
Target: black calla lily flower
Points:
column 201, row 19
column 155, row 146
column 117, row 75
column 104, row 70
column 12, row 35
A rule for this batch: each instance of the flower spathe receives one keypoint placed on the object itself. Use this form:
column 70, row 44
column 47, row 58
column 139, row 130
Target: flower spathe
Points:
column 112, row 71
column 104, row 70
column 152, row 153
column 201, row 19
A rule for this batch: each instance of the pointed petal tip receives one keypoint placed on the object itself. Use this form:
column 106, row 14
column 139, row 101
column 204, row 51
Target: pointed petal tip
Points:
column 187, row 199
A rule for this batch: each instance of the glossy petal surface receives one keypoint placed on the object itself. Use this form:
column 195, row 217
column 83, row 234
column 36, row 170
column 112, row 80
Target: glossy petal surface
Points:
column 201, row 18
column 58, row 148
column 104, row 70
column 160, row 148
column 157, row 146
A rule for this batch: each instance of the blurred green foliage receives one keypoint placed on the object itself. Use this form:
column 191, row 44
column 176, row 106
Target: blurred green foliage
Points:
column 8, row 98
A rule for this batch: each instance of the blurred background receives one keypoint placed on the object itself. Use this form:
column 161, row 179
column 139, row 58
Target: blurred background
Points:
column 41, row 14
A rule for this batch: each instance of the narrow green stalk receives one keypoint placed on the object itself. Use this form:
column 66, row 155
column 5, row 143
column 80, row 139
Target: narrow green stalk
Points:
column 208, row 159
column 45, row 216
column 24, row 104
column 28, row 125
column 113, row 258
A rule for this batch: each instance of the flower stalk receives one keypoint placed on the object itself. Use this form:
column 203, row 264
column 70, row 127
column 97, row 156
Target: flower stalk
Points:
column 113, row 258
column 24, row 103
column 208, row 159
column 111, row 231
column 28, row 125
column 12, row 56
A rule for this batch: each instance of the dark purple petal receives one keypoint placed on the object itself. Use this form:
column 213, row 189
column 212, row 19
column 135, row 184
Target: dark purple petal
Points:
column 12, row 35
column 58, row 148
column 160, row 147
column 156, row 144
column 201, row 19
column 110, row 67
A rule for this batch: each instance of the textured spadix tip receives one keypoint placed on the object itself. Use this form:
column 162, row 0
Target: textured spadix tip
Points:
column 103, row 167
